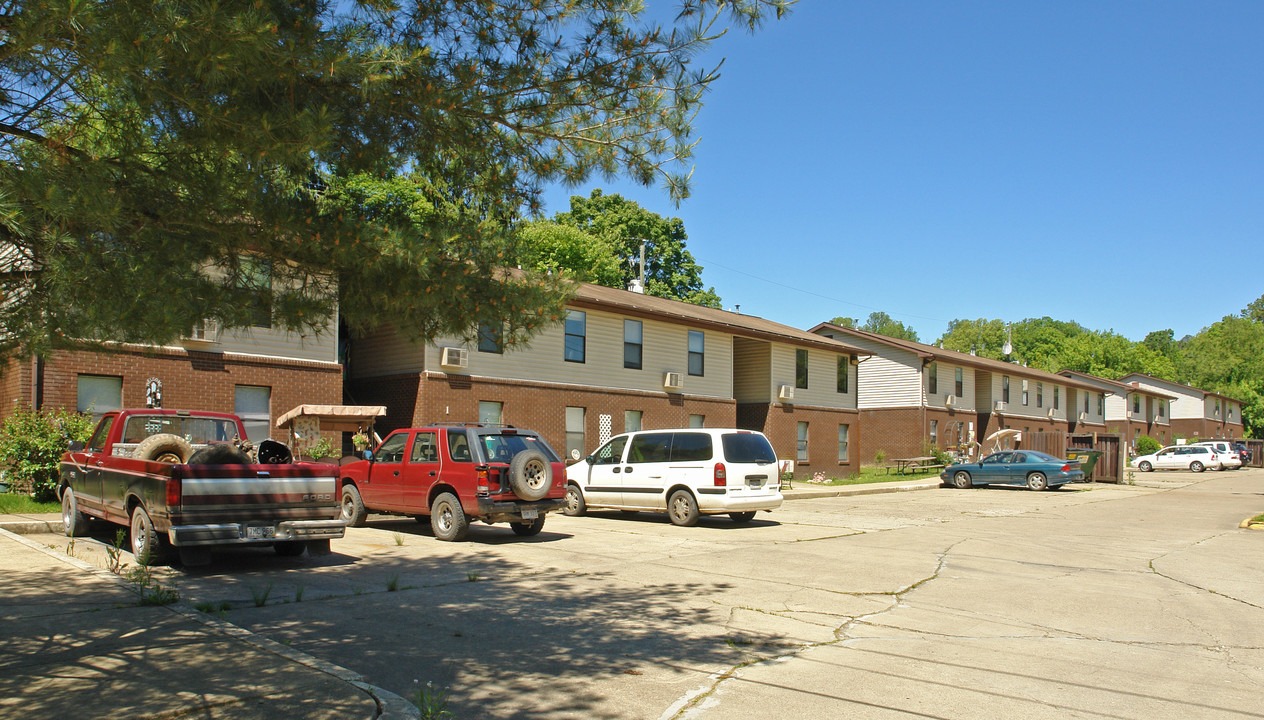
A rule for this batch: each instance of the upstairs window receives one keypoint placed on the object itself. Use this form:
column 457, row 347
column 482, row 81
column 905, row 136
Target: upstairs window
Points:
column 959, row 383
column 1005, row 389
column 1057, row 398
column 1040, row 395
column 932, row 379
column 697, row 352
column 632, row 347
column 844, row 373
column 490, row 338
column 801, row 369
column 576, row 332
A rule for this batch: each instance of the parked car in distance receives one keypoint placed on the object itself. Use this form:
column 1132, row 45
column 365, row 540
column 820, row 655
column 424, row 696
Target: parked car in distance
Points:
column 1226, row 455
column 1036, row 470
column 451, row 473
column 686, row 473
column 1244, row 452
column 1178, row 457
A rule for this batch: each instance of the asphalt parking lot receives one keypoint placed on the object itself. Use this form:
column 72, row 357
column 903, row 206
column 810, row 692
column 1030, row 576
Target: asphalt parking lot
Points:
column 1122, row 601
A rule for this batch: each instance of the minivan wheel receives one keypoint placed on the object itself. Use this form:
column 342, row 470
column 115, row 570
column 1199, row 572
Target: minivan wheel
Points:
column 682, row 508
column 447, row 519
column 575, row 505
column 742, row 517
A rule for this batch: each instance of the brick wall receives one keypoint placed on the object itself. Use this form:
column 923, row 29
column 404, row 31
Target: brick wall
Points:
column 15, row 386
column 190, row 380
column 897, row 432
column 781, row 425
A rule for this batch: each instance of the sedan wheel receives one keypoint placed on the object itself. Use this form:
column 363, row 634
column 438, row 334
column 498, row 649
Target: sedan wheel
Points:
column 1037, row 481
column 1145, row 466
column 1196, row 466
column 961, row 480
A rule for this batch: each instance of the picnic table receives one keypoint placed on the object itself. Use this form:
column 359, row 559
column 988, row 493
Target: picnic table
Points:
column 908, row 466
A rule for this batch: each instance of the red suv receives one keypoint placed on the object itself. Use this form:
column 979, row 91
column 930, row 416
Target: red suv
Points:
column 454, row 473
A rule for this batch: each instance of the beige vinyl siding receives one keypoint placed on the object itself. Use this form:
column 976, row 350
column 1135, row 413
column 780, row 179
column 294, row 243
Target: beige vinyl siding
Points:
column 1116, row 410
column 1189, row 403
column 386, row 353
column 888, row 378
column 822, row 389
column 752, row 368
column 1015, row 408
column 273, row 342
column 665, row 349
column 947, row 385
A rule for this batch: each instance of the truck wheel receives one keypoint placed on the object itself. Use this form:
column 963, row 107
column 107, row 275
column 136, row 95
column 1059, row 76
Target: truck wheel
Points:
column 527, row 529
column 147, row 546
column 682, row 509
column 575, row 505
column 353, row 512
column 164, row 447
column 530, row 475
column 219, row 455
column 447, row 519
column 73, row 522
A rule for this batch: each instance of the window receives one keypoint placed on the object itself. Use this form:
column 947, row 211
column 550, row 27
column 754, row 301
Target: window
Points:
column 802, row 442
column 611, row 453
column 1005, row 389
column 392, row 450
column 575, row 432
column 257, row 281
column 691, row 447
column 576, row 322
column 697, row 350
column 1162, row 409
column 632, row 344
column 960, row 382
column 1025, row 397
column 631, row 420
column 425, row 448
column 253, row 405
column 1057, row 397
column 1217, row 407
column 697, row 421
column 932, row 379
column 801, row 369
column 491, row 338
column 1136, row 404
column 934, row 432
column 1101, row 404
column 489, row 412
column 844, row 372
column 1085, row 403
column 99, row 394
column 843, row 433
column 1040, row 395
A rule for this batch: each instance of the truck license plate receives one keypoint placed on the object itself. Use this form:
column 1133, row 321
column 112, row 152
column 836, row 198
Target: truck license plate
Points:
column 529, row 514
column 260, row 531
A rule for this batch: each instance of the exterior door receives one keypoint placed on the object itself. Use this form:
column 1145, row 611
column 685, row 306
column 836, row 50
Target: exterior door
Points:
column 605, row 474
column 385, row 488
column 420, row 472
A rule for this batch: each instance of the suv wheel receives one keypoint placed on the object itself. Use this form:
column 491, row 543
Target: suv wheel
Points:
column 530, row 475
column 447, row 519
column 682, row 508
column 529, row 527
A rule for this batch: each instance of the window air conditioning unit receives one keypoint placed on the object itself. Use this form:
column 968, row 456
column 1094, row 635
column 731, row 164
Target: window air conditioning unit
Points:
column 950, row 400
column 673, row 380
column 1051, row 413
column 454, row 357
column 1000, row 406
column 785, row 392
column 1083, row 416
column 205, row 331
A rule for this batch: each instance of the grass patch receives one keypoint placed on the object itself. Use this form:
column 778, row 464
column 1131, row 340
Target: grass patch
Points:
column 1258, row 519
column 23, row 504
column 869, row 474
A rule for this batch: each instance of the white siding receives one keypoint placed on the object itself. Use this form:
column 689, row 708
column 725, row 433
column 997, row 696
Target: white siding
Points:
column 947, row 385
column 386, row 353
column 665, row 348
column 752, row 371
column 1015, row 408
column 822, row 389
column 889, row 378
column 1189, row 403
column 1116, row 410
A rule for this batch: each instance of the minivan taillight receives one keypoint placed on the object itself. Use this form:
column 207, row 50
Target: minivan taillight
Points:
column 721, row 476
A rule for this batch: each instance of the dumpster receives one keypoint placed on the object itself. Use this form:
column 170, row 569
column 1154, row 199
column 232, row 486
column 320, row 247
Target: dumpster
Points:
column 1086, row 458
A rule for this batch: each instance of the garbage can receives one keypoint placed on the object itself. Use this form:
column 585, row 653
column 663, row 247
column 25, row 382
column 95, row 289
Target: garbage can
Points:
column 1087, row 459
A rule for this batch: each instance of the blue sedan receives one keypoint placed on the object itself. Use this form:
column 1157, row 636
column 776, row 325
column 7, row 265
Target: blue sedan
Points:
column 1036, row 470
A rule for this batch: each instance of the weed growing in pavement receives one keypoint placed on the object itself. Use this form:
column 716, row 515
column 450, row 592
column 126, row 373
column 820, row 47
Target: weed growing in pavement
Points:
column 260, row 596
column 399, row 540
column 1130, row 477
column 431, row 701
column 70, row 547
column 471, row 576
column 392, row 583
column 298, row 593
column 114, row 553
column 141, row 577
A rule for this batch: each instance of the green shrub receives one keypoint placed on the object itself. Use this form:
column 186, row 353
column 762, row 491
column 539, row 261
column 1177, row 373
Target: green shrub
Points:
column 1147, row 445
column 31, row 444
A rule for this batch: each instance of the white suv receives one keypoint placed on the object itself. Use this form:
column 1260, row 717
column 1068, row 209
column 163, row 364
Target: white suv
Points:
column 686, row 473
column 1226, row 454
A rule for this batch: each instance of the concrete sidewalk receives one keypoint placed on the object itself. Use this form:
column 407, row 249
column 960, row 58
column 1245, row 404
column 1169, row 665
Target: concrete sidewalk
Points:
column 805, row 490
column 78, row 643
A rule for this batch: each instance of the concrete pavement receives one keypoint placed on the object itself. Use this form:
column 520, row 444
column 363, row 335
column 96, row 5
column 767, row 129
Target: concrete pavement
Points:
column 78, row 643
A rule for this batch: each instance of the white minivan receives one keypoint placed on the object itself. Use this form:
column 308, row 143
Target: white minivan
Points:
column 686, row 473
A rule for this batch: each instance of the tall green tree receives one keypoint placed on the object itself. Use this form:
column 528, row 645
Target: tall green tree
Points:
column 883, row 324
column 671, row 270
column 549, row 247
column 157, row 159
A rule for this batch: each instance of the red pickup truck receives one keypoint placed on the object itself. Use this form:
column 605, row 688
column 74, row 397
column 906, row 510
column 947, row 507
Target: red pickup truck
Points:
column 175, row 478
column 454, row 472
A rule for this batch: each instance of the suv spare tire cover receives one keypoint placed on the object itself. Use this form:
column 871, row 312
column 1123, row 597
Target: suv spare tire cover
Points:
column 163, row 447
column 530, row 475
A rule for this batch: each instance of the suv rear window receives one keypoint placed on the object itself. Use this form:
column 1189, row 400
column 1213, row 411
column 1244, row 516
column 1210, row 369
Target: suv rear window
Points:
column 747, row 448
column 501, row 447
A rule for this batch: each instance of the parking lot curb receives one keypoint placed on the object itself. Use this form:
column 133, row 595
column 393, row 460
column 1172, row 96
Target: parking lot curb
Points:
column 868, row 489
column 31, row 527
column 1248, row 525
column 390, row 706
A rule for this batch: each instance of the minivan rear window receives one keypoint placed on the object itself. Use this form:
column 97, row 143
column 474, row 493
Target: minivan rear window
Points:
column 691, row 447
column 747, row 448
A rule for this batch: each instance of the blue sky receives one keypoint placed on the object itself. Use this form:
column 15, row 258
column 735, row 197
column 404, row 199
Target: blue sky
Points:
column 1101, row 162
